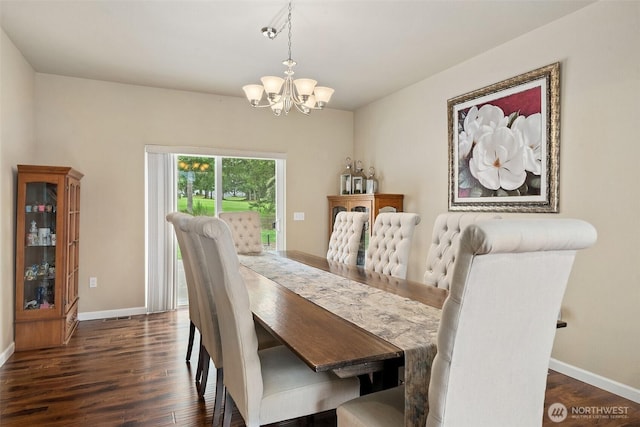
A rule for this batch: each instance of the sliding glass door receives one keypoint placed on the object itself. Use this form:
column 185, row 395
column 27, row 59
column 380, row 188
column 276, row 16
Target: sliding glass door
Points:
column 246, row 184
column 204, row 183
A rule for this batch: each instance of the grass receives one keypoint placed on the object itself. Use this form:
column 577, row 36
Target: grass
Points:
column 202, row 206
column 208, row 206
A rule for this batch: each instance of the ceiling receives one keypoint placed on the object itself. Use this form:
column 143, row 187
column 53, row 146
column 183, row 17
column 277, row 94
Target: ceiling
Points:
column 363, row 49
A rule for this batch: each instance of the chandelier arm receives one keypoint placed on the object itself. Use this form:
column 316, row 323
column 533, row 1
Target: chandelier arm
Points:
column 261, row 105
column 302, row 108
column 296, row 98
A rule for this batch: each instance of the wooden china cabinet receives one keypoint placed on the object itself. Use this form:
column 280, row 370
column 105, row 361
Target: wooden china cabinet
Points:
column 47, row 238
column 372, row 204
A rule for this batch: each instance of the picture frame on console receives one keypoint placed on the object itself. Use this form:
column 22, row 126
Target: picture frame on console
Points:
column 504, row 145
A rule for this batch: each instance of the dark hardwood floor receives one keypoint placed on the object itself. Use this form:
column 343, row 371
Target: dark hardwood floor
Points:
column 131, row 372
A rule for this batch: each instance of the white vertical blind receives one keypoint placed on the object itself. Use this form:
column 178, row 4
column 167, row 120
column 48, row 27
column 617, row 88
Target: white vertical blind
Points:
column 160, row 200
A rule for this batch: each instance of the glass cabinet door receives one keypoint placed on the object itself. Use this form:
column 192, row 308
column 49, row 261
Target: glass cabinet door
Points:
column 38, row 291
column 334, row 213
column 364, row 237
column 72, row 243
column 46, row 288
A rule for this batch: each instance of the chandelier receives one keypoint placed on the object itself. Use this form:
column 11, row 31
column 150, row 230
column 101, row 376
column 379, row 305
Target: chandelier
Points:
column 282, row 94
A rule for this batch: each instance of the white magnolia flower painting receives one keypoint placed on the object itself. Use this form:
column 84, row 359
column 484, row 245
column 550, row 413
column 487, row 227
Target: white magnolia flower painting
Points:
column 503, row 148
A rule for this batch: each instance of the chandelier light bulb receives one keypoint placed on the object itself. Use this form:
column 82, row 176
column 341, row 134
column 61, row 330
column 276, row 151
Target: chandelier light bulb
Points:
column 253, row 93
column 272, row 84
column 305, row 86
column 323, row 95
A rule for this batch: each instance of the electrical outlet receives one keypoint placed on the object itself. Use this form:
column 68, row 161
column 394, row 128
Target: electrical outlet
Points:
column 298, row 216
column 93, row 282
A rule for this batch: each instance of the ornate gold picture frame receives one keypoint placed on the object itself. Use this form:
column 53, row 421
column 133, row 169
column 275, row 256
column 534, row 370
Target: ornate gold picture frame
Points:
column 504, row 142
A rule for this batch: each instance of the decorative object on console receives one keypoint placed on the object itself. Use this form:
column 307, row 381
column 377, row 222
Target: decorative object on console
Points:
column 372, row 182
column 282, row 94
column 504, row 145
column 345, row 177
column 353, row 180
column 358, row 179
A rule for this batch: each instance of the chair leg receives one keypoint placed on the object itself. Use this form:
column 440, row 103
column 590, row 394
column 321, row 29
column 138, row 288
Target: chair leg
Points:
column 200, row 363
column 220, row 397
column 206, row 359
column 228, row 409
column 192, row 333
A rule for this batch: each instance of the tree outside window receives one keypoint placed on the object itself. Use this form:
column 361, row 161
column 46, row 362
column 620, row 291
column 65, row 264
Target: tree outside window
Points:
column 247, row 184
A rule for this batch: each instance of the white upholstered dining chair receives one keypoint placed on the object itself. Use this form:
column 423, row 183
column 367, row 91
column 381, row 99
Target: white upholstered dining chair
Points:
column 177, row 219
column 344, row 242
column 210, row 341
column 270, row 385
column 245, row 229
column 390, row 243
column 497, row 328
column 445, row 240
column 210, row 347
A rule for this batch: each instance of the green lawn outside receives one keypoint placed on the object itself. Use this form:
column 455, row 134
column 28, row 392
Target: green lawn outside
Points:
column 202, row 206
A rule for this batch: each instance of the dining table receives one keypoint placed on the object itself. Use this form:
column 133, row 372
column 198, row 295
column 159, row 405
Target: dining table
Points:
column 348, row 320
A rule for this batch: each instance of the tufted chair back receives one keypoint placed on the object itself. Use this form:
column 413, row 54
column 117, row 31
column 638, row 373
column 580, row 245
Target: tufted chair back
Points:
column 497, row 328
column 498, row 323
column 245, row 229
column 445, row 241
column 390, row 243
column 345, row 238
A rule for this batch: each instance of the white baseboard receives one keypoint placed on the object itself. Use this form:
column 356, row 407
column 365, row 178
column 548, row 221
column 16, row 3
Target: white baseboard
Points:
column 109, row 314
column 596, row 380
column 5, row 355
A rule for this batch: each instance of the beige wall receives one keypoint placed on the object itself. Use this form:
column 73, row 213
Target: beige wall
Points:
column 101, row 129
column 600, row 88
column 17, row 127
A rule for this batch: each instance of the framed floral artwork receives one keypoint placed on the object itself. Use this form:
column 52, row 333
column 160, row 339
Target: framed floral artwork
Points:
column 504, row 145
